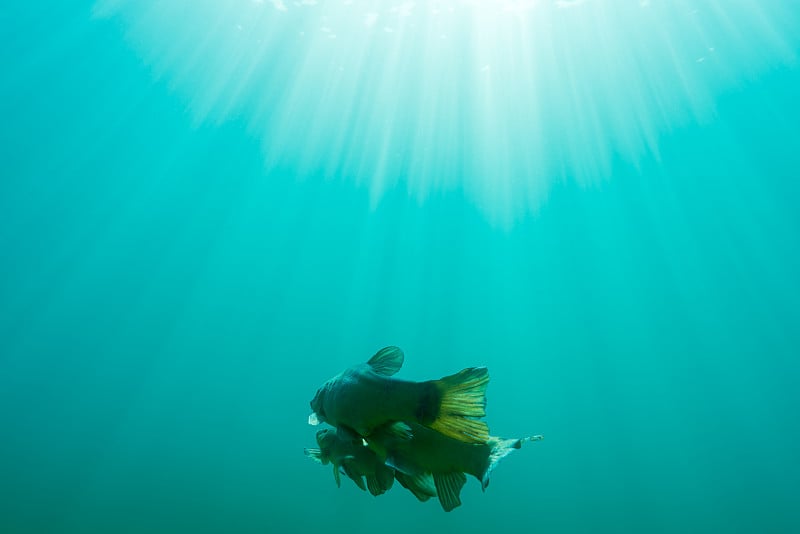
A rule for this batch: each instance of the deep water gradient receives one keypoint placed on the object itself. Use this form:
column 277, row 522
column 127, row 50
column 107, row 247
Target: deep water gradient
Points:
column 182, row 266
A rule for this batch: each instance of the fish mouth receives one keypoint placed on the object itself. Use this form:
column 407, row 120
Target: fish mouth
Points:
column 313, row 420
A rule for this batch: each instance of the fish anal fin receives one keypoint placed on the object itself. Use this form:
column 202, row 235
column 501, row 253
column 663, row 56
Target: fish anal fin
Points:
column 336, row 476
column 354, row 475
column 387, row 361
column 385, row 476
column 448, row 487
column 374, row 485
column 421, row 486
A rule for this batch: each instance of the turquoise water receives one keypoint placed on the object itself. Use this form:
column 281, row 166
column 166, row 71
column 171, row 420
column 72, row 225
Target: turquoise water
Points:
column 207, row 209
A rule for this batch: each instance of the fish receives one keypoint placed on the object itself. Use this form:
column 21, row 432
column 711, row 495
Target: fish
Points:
column 366, row 396
column 349, row 455
column 431, row 464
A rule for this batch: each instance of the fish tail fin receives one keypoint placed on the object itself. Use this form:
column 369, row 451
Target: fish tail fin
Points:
column 453, row 404
column 499, row 449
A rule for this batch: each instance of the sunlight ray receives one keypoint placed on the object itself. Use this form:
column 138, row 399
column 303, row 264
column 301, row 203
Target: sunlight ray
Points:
column 366, row 91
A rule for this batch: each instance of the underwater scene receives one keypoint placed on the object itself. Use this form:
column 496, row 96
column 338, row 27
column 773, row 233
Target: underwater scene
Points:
column 399, row 266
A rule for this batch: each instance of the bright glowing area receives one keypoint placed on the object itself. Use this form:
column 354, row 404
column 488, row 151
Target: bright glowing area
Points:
column 498, row 99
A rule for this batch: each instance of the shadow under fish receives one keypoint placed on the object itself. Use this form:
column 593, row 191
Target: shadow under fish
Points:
column 365, row 397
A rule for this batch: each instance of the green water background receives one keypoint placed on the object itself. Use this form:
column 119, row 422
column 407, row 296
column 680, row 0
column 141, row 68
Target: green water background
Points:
column 169, row 303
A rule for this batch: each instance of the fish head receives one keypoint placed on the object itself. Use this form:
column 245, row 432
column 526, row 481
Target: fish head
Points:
column 340, row 443
column 326, row 439
column 318, row 405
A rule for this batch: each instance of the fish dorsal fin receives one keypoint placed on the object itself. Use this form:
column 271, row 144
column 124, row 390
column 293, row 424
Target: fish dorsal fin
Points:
column 448, row 487
column 387, row 361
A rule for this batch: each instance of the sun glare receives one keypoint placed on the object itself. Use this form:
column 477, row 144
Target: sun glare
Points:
column 498, row 99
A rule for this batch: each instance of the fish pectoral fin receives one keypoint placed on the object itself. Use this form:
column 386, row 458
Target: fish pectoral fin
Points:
column 336, row 476
column 353, row 475
column 398, row 430
column 448, row 487
column 398, row 463
column 382, row 438
column 387, row 361
column 359, row 482
column 378, row 448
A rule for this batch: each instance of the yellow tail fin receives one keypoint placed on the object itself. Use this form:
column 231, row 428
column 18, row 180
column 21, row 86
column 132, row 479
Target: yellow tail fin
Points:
column 463, row 401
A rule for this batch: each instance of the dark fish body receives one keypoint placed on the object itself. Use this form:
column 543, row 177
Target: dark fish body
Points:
column 431, row 464
column 348, row 454
column 362, row 400
column 431, row 452
column 365, row 397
